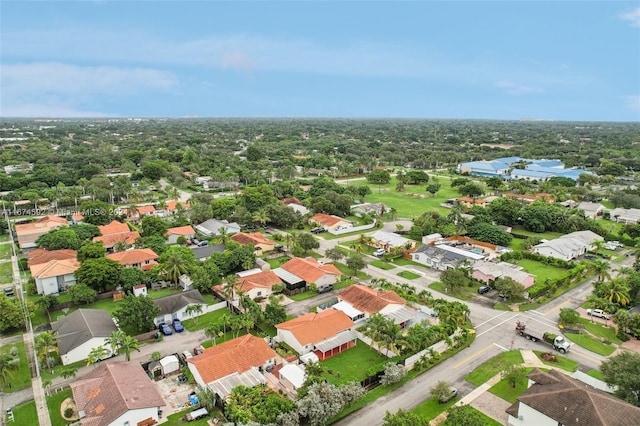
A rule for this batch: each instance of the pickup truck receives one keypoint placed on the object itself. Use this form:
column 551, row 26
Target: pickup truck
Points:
column 558, row 342
column 598, row 313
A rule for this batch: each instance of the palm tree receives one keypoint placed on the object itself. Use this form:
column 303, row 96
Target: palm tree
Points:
column 115, row 340
column 96, row 354
column 601, row 269
column 46, row 303
column 229, row 288
column 598, row 244
column 223, row 235
column 44, row 344
column 129, row 344
column 617, row 291
column 175, row 266
column 261, row 217
column 195, row 309
column 211, row 331
column 69, row 372
column 8, row 363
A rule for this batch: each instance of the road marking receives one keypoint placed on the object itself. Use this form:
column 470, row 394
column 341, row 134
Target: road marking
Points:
column 596, row 360
column 499, row 324
column 501, row 347
column 489, row 320
column 557, row 306
column 469, row 358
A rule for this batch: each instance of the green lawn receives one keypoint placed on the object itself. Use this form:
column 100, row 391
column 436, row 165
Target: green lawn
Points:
column 563, row 362
column 6, row 271
column 408, row 275
column 596, row 373
column 202, row 321
column 4, row 237
column 502, row 307
column 591, row 344
column 20, row 378
column 25, row 414
column 503, row 389
column 352, row 365
column 431, row 408
column 493, row 366
column 176, row 419
column 600, row 330
column 540, row 270
column 5, row 251
column 528, row 306
column 349, row 272
column 58, row 369
column 382, row 265
column 53, row 404
column 457, row 293
column 401, row 261
column 545, row 235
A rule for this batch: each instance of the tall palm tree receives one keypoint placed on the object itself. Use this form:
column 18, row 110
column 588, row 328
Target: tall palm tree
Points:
column 96, row 354
column 211, row 331
column 223, row 235
column 115, row 340
column 129, row 344
column 44, row 343
column 194, row 309
column 617, row 291
column 601, row 269
column 69, row 372
column 229, row 289
column 8, row 363
column 46, row 303
column 261, row 217
column 174, row 266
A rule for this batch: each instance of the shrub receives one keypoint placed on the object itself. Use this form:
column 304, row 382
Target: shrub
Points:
column 68, row 413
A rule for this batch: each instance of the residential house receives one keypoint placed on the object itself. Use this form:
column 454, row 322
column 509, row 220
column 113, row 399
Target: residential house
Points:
column 298, row 273
column 110, row 241
column 175, row 305
column 213, row 227
column 259, row 242
column 239, row 361
column 330, row 222
column 180, row 231
column 569, row 246
column 38, row 256
column 54, row 276
column 116, row 394
column 527, row 198
column 28, row 233
column 326, row 333
column 553, row 398
column 202, row 253
column 371, row 209
column 443, row 256
column 626, row 216
column 259, row 284
column 81, row 331
column 298, row 208
column 144, row 259
column 390, row 241
column 135, row 214
column 591, row 210
column 171, row 208
column 470, row 202
column 487, row 272
column 365, row 301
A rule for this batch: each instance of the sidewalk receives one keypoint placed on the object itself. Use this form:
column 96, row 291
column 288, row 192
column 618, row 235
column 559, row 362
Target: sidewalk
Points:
column 488, row 403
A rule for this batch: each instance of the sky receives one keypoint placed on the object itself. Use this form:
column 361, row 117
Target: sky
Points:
column 551, row 60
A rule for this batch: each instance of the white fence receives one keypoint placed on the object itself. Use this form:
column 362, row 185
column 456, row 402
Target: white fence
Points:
column 354, row 229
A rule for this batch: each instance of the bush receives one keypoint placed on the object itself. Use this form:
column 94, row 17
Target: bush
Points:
column 68, row 413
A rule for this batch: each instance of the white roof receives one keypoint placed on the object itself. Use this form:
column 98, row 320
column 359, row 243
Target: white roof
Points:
column 399, row 313
column 390, row 238
column 287, row 276
column 294, row 374
column 309, row 357
column 337, row 341
column 465, row 253
column 225, row 385
column 168, row 360
column 248, row 272
column 585, row 237
column 347, row 308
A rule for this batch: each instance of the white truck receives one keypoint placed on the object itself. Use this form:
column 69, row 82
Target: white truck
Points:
column 557, row 341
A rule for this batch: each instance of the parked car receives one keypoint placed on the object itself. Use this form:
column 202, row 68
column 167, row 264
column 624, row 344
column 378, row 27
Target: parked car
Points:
column 590, row 256
column 177, row 325
column 318, row 230
column 453, row 392
column 598, row 313
column 484, row 289
column 379, row 253
column 185, row 355
column 325, row 288
column 165, row 329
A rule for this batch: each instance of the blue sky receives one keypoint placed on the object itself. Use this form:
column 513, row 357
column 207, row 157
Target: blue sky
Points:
column 563, row 60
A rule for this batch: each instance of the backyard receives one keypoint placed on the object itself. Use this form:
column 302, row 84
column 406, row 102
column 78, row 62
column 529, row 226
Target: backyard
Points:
column 353, row 364
column 541, row 271
column 20, row 378
column 493, row 366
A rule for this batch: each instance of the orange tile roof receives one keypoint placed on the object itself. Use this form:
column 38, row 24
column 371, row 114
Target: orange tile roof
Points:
column 173, row 205
column 39, row 256
column 77, row 216
column 181, row 230
column 291, row 200
column 114, row 227
column 134, row 257
column 29, row 232
column 309, row 269
column 55, row 268
column 314, row 328
column 471, row 200
column 112, row 239
column 326, row 219
column 366, row 299
column 233, row 356
column 266, row 279
column 146, row 209
column 254, row 238
column 471, row 241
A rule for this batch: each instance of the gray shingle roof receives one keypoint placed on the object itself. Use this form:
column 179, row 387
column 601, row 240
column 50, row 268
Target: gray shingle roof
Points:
column 175, row 302
column 81, row 326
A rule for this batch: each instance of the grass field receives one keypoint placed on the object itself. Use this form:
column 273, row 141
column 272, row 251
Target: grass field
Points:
column 6, row 273
column 563, row 362
column 5, row 251
column 503, row 389
column 493, row 366
column 408, row 275
column 382, row 265
column 176, row 419
column 600, row 330
column 53, row 404
column 541, row 271
column 20, row 378
column 591, row 344
column 431, row 408
column 25, row 414
column 352, row 365
column 458, row 293
column 202, row 321
column 596, row 373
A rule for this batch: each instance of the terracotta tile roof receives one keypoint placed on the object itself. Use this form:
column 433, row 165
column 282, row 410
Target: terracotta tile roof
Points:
column 39, row 256
column 55, row 268
column 233, row 356
column 471, row 241
column 173, row 205
column 291, row 200
column 314, row 328
column 29, row 232
column 572, row 403
column 112, row 239
column 146, row 209
column 77, row 217
column 366, row 299
column 266, row 279
column 134, row 257
column 254, row 238
column 181, row 230
column 471, row 200
column 309, row 269
column 114, row 227
column 327, row 220
column 111, row 389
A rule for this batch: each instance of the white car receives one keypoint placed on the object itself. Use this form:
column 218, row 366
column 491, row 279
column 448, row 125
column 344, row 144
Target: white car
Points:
column 379, row 253
column 598, row 313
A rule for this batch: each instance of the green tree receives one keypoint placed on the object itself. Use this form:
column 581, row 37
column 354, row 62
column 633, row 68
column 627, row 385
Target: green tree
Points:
column 514, row 374
column 417, row 177
column 47, row 302
column 274, row 313
column 97, row 212
column 379, row 177
column 8, row 364
column 68, row 372
column 356, row 262
column 130, row 277
column 91, row 251
column 433, row 188
column 622, row 371
column 568, row 316
column 490, row 234
column 61, row 238
column 335, row 254
column 322, row 401
column 471, row 189
column 96, row 354
column 406, row 418
column 129, row 344
column 177, row 261
column 45, row 343
column 194, row 311
column 11, row 312
column 463, row 415
column 508, row 287
column 100, row 274
column 81, row 293
column 153, row 225
column 307, row 242
column 154, row 169
column 135, row 314
column 114, row 340
column 454, row 278
column 441, row 390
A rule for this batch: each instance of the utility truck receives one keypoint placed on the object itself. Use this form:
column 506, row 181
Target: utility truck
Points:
column 557, row 341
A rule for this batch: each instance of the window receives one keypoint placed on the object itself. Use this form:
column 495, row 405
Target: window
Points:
column 259, row 293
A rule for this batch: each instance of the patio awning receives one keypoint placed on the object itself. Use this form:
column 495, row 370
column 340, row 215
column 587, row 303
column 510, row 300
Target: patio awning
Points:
column 225, row 385
column 401, row 315
column 338, row 340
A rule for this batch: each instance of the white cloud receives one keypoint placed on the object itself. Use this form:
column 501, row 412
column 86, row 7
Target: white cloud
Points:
column 633, row 102
column 238, row 60
column 518, row 89
column 48, row 110
column 633, row 17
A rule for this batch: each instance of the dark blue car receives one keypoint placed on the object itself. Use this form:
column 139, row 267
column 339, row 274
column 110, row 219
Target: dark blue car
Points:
column 177, row 325
column 165, row 329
